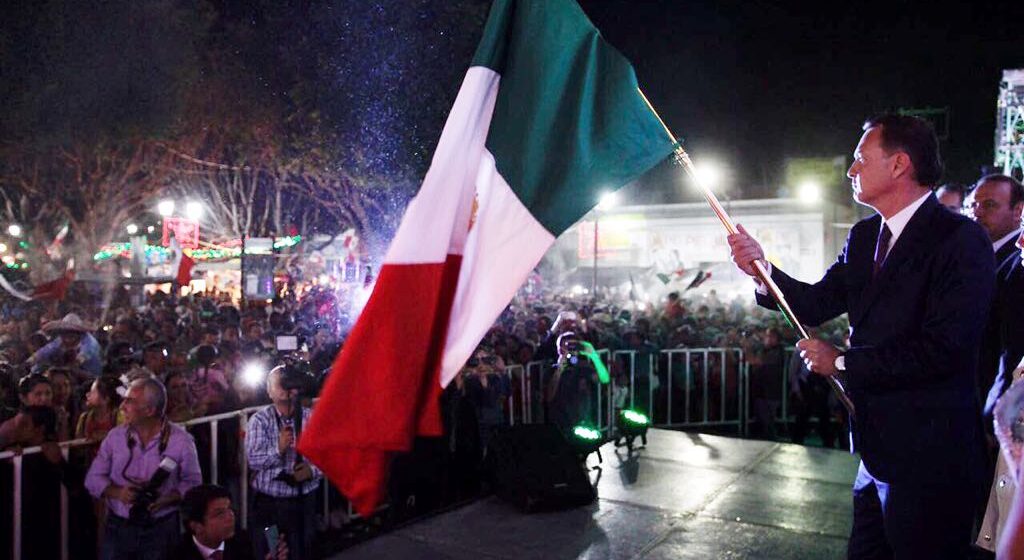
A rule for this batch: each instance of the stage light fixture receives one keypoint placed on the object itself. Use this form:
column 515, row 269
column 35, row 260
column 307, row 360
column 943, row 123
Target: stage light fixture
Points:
column 586, row 440
column 632, row 424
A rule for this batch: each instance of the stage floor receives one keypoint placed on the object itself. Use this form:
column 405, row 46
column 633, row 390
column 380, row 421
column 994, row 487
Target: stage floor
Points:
column 686, row 495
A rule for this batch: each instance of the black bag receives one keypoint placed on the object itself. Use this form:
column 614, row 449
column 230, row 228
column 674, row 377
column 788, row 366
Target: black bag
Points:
column 533, row 467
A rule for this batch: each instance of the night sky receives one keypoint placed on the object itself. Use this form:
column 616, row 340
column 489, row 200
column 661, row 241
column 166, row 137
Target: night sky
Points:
column 747, row 83
column 753, row 82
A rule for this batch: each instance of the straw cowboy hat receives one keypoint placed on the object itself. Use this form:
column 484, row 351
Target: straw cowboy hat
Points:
column 70, row 323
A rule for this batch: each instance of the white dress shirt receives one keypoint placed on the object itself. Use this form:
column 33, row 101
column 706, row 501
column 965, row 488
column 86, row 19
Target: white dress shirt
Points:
column 1008, row 238
column 206, row 551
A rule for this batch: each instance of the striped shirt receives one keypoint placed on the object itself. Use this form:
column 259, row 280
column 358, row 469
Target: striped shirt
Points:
column 266, row 463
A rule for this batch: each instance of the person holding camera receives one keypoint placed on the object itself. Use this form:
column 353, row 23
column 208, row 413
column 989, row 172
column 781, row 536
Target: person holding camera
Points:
column 568, row 393
column 284, row 484
column 142, row 470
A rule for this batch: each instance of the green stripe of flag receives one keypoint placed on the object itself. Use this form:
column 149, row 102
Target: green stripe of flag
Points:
column 569, row 121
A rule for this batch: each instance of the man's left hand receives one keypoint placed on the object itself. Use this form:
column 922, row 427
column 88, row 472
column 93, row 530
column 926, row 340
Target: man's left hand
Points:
column 819, row 356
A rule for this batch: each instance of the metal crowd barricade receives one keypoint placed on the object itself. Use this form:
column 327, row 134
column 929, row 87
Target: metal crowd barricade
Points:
column 513, row 372
column 17, row 462
column 651, row 371
column 732, row 408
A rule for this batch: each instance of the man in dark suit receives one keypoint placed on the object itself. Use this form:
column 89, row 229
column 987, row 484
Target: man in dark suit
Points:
column 916, row 281
column 211, row 529
column 1008, row 319
column 996, row 203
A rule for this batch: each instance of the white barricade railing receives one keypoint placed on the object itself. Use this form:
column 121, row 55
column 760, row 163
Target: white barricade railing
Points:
column 730, row 371
column 17, row 462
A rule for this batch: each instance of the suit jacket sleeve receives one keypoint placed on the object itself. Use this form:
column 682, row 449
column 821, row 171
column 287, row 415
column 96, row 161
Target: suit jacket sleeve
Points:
column 816, row 303
column 956, row 308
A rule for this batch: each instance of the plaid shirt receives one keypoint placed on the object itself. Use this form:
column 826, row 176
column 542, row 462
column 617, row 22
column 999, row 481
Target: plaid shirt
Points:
column 264, row 460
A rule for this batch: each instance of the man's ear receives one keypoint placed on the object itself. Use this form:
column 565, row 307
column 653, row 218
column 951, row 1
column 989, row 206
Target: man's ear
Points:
column 901, row 165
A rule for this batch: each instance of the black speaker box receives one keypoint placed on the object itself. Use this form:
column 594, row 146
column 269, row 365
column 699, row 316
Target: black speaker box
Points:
column 533, row 467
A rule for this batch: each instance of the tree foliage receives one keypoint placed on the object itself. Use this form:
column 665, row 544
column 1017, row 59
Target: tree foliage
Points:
column 310, row 115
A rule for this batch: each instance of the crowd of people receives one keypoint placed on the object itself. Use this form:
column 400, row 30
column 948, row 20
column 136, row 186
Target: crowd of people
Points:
column 125, row 381
column 128, row 379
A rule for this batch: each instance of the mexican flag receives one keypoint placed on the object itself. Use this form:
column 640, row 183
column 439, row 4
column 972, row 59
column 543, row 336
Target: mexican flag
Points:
column 548, row 117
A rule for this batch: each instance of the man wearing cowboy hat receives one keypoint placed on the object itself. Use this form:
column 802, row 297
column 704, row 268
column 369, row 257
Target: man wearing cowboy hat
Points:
column 72, row 346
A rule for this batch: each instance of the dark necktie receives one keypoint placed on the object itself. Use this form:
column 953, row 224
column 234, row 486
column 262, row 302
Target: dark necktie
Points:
column 217, row 555
column 881, row 249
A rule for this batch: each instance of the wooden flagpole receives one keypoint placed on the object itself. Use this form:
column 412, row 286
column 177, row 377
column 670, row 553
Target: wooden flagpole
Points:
column 683, row 159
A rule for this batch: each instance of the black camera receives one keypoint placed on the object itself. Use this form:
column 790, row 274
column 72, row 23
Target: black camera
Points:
column 288, row 478
column 298, row 376
column 148, row 494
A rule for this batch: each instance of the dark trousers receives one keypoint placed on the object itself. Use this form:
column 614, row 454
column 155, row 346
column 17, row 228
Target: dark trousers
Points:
column 124, row 540
column 910, row 520
column 293, row 517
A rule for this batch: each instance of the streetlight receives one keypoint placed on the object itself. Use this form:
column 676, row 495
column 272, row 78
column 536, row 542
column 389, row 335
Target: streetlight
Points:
column 193, row 210
column 132, row 229
column 608, row 200
column 14, row 230
column 709, row 174
column 809, row 192
column 165, row 208
column 3, row 247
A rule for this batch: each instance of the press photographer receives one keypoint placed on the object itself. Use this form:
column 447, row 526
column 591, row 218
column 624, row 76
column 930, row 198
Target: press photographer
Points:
column 142, row 470
column 575, row 376
column 284, row 484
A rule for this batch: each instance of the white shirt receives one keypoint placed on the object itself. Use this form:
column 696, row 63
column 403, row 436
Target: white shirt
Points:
column 1006, row 239
column 898, row 222
column 205, row 551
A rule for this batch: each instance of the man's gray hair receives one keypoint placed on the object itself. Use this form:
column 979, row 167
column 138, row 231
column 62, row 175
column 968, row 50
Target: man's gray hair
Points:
column 155, row 392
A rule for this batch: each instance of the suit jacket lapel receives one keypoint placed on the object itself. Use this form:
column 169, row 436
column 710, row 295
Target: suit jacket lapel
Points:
column 910, row 241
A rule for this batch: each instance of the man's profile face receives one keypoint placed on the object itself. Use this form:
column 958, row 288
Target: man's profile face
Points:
column 871, row 172
column 218, row 523
column 134, row 405
column 991, row 209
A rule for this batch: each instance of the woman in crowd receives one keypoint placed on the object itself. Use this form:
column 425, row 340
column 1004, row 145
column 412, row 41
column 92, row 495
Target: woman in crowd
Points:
column 179, row 399
column 35, row 390
column 63, row 405
column 103, row 411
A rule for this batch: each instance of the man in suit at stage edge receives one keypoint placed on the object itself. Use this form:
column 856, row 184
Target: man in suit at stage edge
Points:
column 917, row 282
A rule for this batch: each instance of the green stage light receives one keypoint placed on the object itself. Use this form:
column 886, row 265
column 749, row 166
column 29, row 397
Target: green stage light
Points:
column 632, row 424
column 635, row 417
column 586, row 440
column 586, row 433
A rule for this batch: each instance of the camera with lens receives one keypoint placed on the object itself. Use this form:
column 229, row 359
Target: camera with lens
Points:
column 297, row 375
column 150, row 492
